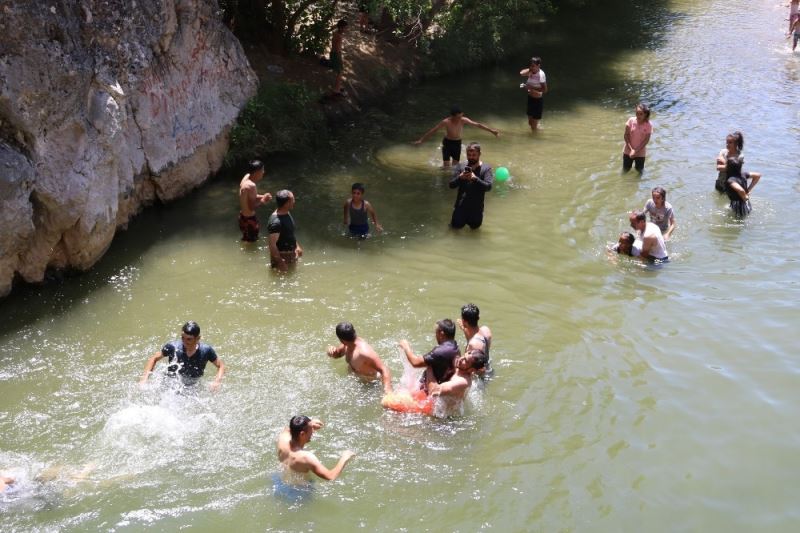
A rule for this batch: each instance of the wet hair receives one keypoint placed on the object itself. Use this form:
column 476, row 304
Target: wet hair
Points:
column 639, row 215
column 738, row 139
column 661, row 192
column 474, row 146
column 342, row 24
column 470, row 314
column 358, row 187
column 645, row 109
column 191, row 328
column 281, row 197
column 447, row 327
column 455, row 110
column 536, row 60
column 345, row 331
column 479, row 358
column 629, row 238
column 297, row 425
column 255, row 165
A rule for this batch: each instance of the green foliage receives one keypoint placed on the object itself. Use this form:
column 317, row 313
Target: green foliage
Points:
column 478, row 31
column 280, row 118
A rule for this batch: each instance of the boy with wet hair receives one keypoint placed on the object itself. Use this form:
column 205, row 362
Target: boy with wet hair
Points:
column 357, row 211
column 298, row 462
column 453, row 126
column 478, row 337
column 360, row 357
column 249, row 200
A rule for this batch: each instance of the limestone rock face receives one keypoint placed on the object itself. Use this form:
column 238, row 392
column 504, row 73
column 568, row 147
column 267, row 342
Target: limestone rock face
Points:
column 106, row 106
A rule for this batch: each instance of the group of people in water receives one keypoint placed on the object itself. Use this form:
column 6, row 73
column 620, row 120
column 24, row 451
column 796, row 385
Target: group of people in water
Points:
column 446, row 377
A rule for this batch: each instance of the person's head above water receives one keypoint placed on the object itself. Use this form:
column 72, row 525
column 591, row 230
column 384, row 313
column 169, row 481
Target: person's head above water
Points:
column 642, row 111
column 659, row 195
column 283, row 197
column 473, row 153
column 474, row 359
column 342, row 24
column 625, row 243
column 300, row 429
column 191, row 328
column 471, row 314
column 638, row 220
column 455, row 110
column 735, row 140
column 345, row 332
column 446, row 329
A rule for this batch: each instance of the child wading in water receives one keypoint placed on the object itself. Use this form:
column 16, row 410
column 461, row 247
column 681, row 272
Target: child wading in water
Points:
column 453, row 128
column 357, row 211
column 637, row 134
column 731, row 179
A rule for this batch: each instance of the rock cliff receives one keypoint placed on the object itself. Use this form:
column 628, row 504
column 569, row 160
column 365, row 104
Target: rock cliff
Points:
column 106, row 106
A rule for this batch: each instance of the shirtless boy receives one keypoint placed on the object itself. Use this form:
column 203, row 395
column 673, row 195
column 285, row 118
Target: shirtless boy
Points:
column 453, row 390
column 297, row 462
column 454, row 126
column 249, row 199
column 478, row 337
column 360, row 356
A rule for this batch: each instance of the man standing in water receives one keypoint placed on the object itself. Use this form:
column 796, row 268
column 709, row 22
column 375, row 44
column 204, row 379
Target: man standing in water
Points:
column 360, row 356
column 297, row 462
column 438, row 362
column 283, row 247
column 454, row 389
column 187, row 358
column 453, row 127
column 478, row 337
column 653, row 247
column 249, row 199
column 473, row 180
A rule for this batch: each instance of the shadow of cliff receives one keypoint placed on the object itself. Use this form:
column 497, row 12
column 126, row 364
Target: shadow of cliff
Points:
column 577, row 48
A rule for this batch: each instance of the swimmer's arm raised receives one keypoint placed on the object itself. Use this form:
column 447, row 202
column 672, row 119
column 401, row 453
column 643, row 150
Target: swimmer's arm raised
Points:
column 336, row 351
column 329, row 474
column 415, row 360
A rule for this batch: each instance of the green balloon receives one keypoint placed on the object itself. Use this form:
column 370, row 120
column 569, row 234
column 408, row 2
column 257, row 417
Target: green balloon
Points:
column 501, row 174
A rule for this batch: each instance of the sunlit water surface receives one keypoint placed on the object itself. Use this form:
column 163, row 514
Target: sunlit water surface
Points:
column 626, row 398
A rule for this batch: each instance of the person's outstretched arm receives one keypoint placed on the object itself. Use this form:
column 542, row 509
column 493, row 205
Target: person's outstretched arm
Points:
column 330, row 474
column 430, row 132
column 481, row 126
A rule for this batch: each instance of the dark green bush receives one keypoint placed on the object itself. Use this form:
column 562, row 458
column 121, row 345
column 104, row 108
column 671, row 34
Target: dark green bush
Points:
column 281, row 117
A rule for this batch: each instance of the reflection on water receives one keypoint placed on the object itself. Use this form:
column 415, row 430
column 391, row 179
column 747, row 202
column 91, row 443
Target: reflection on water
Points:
column 623, row 396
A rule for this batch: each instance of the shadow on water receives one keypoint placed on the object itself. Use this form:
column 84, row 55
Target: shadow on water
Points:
column 577, row 47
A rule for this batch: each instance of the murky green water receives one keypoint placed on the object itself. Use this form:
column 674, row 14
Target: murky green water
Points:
column 626, row 398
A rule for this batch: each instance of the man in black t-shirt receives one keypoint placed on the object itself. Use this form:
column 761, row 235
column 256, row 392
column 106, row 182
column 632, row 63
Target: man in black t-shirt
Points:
column 439, row 363
column 283, row 246
column 473, row 180
column 187, row 358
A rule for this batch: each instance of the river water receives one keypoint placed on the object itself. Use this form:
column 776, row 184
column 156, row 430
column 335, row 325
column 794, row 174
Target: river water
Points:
column 626, row 398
